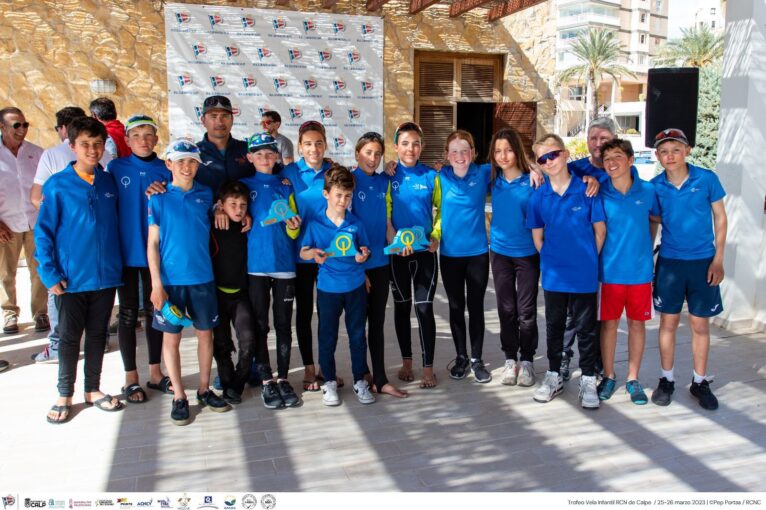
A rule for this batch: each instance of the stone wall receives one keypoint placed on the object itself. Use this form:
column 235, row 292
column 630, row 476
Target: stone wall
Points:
column 51, row 50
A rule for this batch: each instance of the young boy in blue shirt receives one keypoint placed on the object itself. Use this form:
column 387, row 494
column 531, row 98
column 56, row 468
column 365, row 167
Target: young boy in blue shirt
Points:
column 690, row 263
column 568, row 230
column 78, row 249
column 133, row 175
column 340, row 282
column 271, row 269
column 626, row 264
column 182, row 275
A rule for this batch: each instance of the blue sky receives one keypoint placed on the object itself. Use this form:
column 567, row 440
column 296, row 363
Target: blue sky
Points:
column 680, row 15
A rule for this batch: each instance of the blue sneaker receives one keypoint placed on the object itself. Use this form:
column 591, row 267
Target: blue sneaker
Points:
column 47, row 355
column 636, row 392
column 606, row 388
column 217, row 383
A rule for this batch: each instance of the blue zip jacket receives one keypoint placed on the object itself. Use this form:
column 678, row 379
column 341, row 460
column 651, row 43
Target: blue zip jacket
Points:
column 132, row 176
column 217, row 168
column 76, row 235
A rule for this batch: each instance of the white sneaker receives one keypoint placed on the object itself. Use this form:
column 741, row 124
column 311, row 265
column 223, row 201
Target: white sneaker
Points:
column 510, row 373
column 588, row 394
column 330, row 394
column 363, row 393
column 527, row 374
column 551, row 386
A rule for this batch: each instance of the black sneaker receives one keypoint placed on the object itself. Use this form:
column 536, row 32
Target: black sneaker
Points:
column 703, row 394
column 663, row 395
column 231, row 396
column 565, row 374
column 271, row 397
column 179, row 414
column 460, row 369
column 213, row 401
column 480, row 373
column 287, row 393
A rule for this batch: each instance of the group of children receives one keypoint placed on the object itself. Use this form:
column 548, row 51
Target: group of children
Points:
column 284, row 231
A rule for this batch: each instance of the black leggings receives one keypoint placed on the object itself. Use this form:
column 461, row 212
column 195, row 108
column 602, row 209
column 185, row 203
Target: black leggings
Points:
column 89, row 312
column 234, row 309
column 422, row 270
column 376, row 318
column 261, row 288
column 516, row 280
column 583, row 306
column 128, row 316
column 305, row 280
column 466, row 277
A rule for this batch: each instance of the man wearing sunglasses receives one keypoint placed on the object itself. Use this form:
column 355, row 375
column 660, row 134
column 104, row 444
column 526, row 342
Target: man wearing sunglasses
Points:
column 270, row 122
column 18, row 163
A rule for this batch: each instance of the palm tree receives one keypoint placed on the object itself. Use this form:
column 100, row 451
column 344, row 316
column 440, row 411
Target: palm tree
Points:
column 698, row 47
column 598, row 52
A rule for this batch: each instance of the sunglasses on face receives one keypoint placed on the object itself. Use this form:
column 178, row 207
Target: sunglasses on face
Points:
column 17, row 125
column 550, row 156
column 267, row 122
column 669, row 133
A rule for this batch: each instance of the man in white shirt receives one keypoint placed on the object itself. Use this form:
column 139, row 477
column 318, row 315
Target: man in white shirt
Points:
column 18, row 164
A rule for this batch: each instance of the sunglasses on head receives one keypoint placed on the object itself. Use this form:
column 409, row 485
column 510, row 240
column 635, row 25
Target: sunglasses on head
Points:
column 185, row 147
column 669, row 133
column 549, row 156
column 216, row 101
column 17, row 125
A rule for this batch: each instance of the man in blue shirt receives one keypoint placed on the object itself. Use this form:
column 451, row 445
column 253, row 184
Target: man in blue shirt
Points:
column 568, row 230
column 690, row 264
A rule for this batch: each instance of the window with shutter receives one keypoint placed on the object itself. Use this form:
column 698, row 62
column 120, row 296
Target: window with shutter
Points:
column 477, row 81
column 520, row 116
column 436, row 79
column 437, row 122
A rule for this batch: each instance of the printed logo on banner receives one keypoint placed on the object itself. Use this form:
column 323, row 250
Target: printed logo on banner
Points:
column 215, row 19
column 339, row 85
column 279, row 83
column 353, row 57
column 34, row 503
column 338, row 27
column 367, row 29
column 248, row 21
column 183, row 502
column 232, row 51
column 309, row 26
column 263, row 109
column 353, row 113
column 264, row 53
column 229, row 502
column 164, row 503
column 325, row 113
column 216, row 81
column 340, row 141
column 294, row 54
column 249, row 501
column 367, row 86
column 198, row 112
column 235, row 111
column 296, row 113
column 199, row 49
column 279, row 23
column 184, row 80
column 248, row 81
column 309, row 84
column 207, row 503
column 325, row 55
column 9, row 501
column 183, row 17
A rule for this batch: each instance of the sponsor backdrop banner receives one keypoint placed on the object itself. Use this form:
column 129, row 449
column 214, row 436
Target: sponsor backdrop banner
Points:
column 306, row 66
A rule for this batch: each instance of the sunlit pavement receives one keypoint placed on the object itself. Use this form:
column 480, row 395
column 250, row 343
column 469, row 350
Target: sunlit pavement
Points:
column 459, row 436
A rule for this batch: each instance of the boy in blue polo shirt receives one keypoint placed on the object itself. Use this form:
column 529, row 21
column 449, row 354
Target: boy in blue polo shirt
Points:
column 626, row 264
column 568, row 230
column 340, row 283
column 182, row 275
column 690, row 264
column 78, row 249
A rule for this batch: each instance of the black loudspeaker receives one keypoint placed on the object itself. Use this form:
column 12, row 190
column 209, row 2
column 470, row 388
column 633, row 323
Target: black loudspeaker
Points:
column 671, row 102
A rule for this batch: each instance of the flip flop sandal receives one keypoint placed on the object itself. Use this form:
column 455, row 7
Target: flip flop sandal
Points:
column 134, row 389
column 307, row 383
column 59, row 409
column 104, row 402
column 164, row 386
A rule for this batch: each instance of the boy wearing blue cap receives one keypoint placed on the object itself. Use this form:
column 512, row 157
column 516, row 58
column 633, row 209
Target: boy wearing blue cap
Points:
column 179, row 261
column 690, row 263
column 78, row 249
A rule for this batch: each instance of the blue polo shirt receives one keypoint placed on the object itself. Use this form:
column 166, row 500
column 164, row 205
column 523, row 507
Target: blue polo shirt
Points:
column 569, row 258
column 308, row 185
column 464, row 233
column 269, row 248
column 626, row 257
column 337, row 274
column 370, row 207
column 583, row 167
column 414, row 193
column 132, row 176
column 508, row 233
column 687, row 215
column 184, row 221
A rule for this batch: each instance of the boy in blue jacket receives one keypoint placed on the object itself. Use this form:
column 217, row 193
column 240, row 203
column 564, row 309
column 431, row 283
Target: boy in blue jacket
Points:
column 178, row 252
column 78, row 248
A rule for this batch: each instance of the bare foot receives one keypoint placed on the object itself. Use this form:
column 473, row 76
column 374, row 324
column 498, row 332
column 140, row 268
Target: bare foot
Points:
column 310, row 381
column 390, row 389
column 405, row 373
column 429, row 378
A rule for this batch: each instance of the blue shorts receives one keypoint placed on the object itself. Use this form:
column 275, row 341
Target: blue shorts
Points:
column 676, row 280
column 199, row 302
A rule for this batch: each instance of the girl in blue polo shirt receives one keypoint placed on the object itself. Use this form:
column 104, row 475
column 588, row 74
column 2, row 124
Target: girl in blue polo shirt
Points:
column 464, row 256
column 370, row 205
column 414, row 196
column 515, row 261
column 307, row 178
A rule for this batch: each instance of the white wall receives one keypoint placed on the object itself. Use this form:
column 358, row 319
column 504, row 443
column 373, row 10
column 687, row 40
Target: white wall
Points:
column 742, row 164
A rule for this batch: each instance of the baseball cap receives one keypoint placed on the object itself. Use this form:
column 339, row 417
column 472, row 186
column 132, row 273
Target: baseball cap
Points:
column 139, row 120
column 182, row 149
column 670, row 134
column 261, row 141
column 216, row 103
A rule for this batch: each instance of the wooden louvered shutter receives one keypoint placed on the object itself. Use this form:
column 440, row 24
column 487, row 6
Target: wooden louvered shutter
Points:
column 437, row 121
column 477, row 81
column 436, row 79
column 520, row 116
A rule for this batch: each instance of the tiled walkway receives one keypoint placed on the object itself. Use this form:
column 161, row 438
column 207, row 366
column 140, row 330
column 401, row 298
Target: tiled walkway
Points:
column 459, row 436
